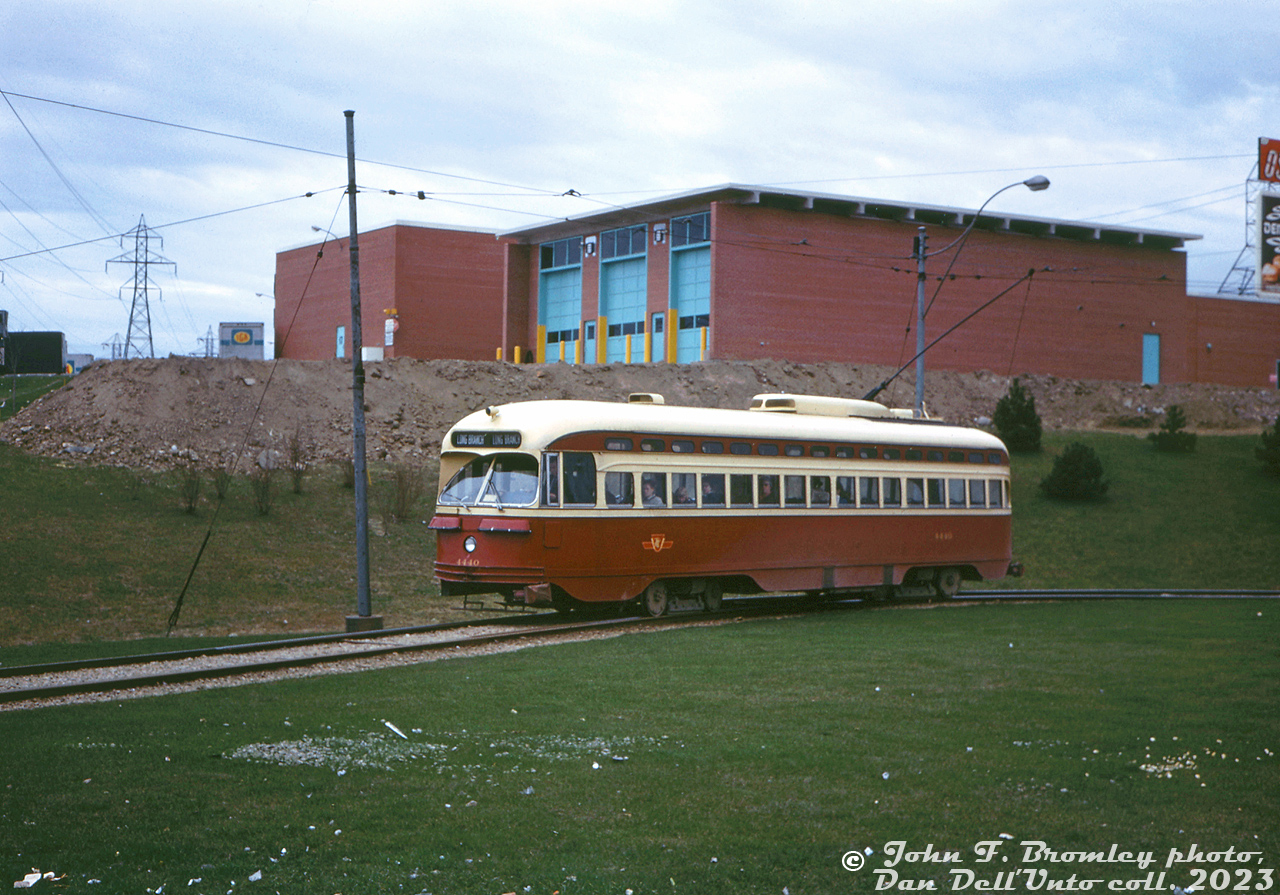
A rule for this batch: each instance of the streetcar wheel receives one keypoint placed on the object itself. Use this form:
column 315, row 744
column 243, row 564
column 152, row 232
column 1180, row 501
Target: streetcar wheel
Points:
column 712, row 596
column 654, row 601
column 948, row 583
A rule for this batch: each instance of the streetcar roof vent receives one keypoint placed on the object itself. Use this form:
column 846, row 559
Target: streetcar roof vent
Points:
column 645, row 398
column 815, row 405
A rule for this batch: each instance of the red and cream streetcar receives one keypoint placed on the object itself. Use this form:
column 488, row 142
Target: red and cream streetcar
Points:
column 573, row 503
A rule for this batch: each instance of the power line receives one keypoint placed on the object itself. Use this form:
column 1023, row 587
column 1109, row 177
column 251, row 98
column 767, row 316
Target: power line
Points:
column 203, row 217
column 97, row 218
column 199, row 130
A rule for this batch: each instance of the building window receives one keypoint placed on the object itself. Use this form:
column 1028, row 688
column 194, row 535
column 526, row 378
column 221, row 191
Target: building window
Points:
column 691, row 230
column 561, row 253
column 340, row 342
column 622, row 243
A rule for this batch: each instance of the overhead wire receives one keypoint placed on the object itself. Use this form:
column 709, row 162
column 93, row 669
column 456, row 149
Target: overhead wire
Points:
column 84, row 203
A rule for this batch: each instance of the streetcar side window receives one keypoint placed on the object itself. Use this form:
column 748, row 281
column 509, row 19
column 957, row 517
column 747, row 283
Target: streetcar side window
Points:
column 713, row 489
column 977, row 493
column 767, row 491
column 936, row 499
column 915, row 492
column 994, row 493
column 619, row 489
column 551, row 480
column 819, row 491
column 579, row 479
column 684, row 489
column 794, row 485
column 740, row 490
column 845, row 485
column 653, row 489
column 892, row 492
column 955, row 492
column 868, row 492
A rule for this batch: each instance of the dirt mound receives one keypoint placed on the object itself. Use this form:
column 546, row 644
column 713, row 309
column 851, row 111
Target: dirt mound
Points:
column 153, row 413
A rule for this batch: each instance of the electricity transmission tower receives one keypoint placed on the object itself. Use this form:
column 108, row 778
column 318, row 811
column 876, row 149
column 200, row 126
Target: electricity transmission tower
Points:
column 116, row 345
column 209, row 341
column 138, row 340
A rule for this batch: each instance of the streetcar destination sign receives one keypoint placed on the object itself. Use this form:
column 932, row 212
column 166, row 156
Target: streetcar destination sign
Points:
column 486, row 439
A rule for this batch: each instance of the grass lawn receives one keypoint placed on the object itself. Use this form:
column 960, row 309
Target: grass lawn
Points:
column 1201, row 520
column 734, row 759
column 16, row 392
column 95, row 555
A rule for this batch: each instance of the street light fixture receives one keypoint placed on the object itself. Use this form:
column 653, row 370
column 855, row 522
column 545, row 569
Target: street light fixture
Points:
column 920, row 253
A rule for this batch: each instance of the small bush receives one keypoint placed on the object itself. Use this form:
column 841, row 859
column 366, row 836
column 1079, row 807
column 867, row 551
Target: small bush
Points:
column 299, row 459
column 222, row 481
column 260, row 480
column 1016, row 420
column 1171, row 439
column 1269, row 451
column 188, row 475
column 398, row 496
column 1076, row 475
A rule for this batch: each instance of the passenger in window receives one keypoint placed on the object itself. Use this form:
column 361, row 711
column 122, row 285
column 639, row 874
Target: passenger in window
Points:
column 682, row 496
column 649, row 492
column 820, row 491
column 712, row 490
column 768, row 491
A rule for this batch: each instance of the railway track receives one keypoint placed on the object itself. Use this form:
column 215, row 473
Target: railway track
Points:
column 142, row 674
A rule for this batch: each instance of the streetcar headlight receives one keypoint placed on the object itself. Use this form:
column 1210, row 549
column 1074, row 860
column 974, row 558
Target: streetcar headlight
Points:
column 469, row 544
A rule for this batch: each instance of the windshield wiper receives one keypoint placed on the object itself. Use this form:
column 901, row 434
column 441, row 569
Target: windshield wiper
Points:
column 497, row 500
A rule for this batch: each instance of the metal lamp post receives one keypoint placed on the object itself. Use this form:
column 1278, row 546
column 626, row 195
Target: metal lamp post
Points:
column 920, row 253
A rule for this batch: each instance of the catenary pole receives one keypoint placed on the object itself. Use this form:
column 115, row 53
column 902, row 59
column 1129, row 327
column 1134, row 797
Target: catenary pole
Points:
column 921, row 254
column 364, row 619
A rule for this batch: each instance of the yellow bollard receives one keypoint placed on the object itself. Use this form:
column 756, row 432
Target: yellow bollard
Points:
column 702, row 355
column 626, row 359
column 515, row 353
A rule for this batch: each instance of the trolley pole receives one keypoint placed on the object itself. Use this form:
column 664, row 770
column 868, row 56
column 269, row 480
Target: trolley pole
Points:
column 920, row 253
column 363, row 620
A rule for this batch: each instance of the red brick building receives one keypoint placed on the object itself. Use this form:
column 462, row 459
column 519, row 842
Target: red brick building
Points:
column 739, row 273
column 443, row 284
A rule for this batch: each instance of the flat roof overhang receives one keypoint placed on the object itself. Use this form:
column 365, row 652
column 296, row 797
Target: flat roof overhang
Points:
column 694, row 201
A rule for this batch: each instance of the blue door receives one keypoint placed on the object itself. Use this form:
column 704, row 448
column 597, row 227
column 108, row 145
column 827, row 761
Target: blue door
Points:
column 1150, row 358
column 691, row 299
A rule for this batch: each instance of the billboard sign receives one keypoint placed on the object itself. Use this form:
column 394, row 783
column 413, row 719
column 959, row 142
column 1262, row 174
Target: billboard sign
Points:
column 1269, row 244
column 1269, row 160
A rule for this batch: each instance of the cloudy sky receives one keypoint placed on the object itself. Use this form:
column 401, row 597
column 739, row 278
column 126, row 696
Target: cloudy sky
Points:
column 213, row 120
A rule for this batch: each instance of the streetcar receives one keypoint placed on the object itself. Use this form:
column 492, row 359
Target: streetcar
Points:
column 576, row 504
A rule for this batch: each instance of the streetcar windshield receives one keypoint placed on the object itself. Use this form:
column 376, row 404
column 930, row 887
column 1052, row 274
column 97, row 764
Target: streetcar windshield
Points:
column 502, row 480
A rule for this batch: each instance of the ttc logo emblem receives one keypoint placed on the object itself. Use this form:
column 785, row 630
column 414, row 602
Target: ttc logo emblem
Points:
column 658, row 543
